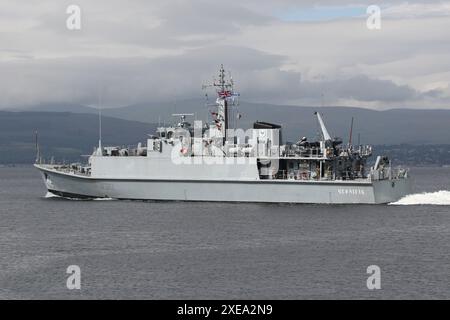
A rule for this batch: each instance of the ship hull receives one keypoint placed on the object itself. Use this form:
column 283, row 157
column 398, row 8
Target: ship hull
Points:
column 270, row 191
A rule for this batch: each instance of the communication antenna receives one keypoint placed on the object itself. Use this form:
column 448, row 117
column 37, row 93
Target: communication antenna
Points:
column 206, row 106
column 100, row 148
column 38, row 153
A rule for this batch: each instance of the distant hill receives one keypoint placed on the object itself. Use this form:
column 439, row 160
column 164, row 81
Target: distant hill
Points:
column 416, row 155
column 54, row 107
column 395, row 126
column 63, row 135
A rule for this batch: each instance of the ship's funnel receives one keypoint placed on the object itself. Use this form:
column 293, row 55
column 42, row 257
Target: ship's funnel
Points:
column 326, row 136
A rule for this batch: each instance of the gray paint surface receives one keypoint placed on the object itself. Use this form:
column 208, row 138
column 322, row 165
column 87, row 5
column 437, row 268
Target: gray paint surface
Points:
column 288, row 191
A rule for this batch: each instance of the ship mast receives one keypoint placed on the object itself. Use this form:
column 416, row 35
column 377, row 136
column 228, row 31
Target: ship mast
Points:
column 222, row 95
column 225, row 91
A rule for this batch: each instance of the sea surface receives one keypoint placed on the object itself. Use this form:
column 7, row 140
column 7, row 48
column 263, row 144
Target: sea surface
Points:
column 177, row 250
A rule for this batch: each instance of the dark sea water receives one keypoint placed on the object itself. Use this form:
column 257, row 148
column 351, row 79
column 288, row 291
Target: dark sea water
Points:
column 159, row 250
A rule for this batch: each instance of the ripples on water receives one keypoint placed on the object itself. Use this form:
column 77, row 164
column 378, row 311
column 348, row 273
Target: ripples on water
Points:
column 138, row 249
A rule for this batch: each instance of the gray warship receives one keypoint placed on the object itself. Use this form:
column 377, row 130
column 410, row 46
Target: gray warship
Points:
column 215, row 161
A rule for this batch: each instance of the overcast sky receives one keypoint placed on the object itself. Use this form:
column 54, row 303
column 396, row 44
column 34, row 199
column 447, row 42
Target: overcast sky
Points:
column 278, row 51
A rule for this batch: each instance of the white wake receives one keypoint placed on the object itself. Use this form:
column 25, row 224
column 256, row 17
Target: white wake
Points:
column 435, row 198
column 52, row 195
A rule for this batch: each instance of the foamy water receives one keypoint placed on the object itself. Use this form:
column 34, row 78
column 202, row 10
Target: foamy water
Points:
column 434, row 198
column 52, row 195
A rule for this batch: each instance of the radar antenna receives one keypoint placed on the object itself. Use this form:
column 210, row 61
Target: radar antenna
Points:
column 182, row 116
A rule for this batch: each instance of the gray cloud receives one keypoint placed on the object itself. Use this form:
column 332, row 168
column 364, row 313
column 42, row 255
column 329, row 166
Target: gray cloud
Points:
column 166, row 24
column 124, row 80
column 365, row 89
column 257, row 74
column 275, row 85
column 140, row 51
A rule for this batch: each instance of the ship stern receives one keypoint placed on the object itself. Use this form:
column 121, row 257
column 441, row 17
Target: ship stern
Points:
column 391, row 190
